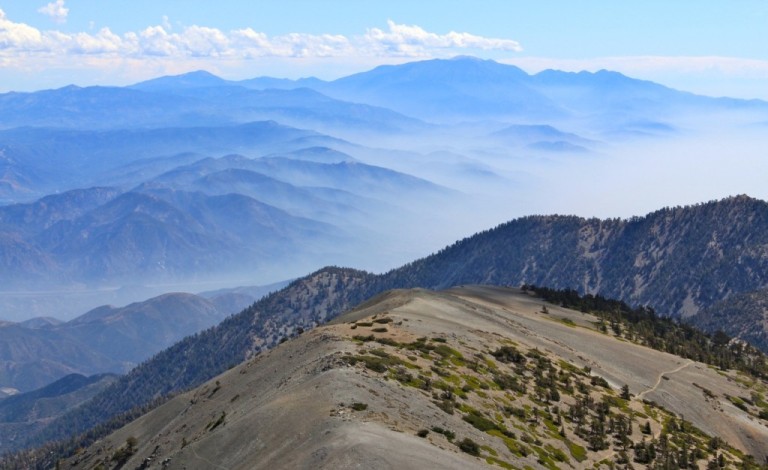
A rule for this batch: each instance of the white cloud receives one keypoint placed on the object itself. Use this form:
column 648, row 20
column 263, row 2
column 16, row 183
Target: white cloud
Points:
column 56, row 10
column 103, row 42
column 21, row 40
column 154, row 41
column 199, row 41
column 18, row 36
column 45, row 57
column 251, row 44
column 412, row 40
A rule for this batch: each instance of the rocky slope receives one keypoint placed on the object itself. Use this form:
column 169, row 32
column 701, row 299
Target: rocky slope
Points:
column 471, row 377
column 676, row 260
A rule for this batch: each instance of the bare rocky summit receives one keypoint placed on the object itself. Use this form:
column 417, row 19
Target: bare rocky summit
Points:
column 469, row 377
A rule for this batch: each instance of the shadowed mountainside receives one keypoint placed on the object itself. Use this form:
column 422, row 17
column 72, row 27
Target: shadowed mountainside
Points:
column 23, row 414
column 106, row 339
column 676, row 260
column 742, row 315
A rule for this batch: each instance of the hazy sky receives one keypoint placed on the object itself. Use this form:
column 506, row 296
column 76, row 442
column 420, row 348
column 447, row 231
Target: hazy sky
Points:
column 710, row 47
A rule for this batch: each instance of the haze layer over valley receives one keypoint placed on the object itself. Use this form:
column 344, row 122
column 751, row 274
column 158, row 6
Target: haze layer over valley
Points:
column 519, row 235
column 194, row 182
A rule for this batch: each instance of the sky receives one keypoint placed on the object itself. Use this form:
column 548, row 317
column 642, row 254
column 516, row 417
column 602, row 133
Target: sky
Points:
column 711, row 47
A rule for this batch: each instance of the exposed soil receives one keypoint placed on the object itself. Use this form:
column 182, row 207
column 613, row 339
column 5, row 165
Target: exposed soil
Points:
column 308, row 404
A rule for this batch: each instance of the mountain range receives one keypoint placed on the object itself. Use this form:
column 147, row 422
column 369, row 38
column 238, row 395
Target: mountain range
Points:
column 199, row 112
column 25, row 413
column 102, row 184
column 106, row 339
column 509, row 254
column 467, row 87
column 214, row 217
column 193, row 182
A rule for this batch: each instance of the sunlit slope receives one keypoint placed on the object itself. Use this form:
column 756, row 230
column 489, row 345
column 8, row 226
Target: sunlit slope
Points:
column 463, row 378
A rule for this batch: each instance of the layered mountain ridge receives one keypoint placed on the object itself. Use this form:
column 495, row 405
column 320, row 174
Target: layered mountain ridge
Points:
column 499, row 256
column 358, row 163
column 198, row 182
column 106, row 339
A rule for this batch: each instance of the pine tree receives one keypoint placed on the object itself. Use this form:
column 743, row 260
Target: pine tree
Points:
column 625, row 392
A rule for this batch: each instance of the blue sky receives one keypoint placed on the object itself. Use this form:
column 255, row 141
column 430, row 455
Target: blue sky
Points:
column 710, row 47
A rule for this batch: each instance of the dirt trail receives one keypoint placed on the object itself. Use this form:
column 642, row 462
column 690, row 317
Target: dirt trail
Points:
column 213, row 465
column 642, row 395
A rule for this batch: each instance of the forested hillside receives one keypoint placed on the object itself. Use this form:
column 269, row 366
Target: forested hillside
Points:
column 673, row 260
column 676, row 260
column 303, row 304
column 743, row 315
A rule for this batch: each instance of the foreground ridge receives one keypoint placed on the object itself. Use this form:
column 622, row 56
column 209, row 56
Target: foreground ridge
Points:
column 464, row 378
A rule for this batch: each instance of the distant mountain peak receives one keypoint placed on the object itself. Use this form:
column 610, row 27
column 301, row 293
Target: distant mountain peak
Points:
column 193, row 79
column 470, row 58
column 198, row 74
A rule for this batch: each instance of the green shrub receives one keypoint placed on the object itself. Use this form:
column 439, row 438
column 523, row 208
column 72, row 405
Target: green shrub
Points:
column 508, row 382
column 445, row 432
column 124, row 453
column 481, row 422
column 509, row 354
column 598, row 381
column 388, row 342
column 446, row 405
column 218, row 422
column 579, row 453
column 469, row 446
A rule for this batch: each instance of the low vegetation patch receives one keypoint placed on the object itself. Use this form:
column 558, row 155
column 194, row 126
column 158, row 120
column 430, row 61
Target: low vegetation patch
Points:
column 536, row 406
column 121, row 455
column 215, row 424
column 450, row 435
column 469, row 446
column 481, row 422
column 378, row 361
column 509, row 354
